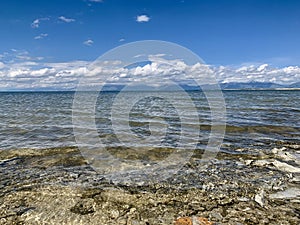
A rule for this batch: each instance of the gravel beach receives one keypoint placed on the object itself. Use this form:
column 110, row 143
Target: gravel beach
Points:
column 57, row 186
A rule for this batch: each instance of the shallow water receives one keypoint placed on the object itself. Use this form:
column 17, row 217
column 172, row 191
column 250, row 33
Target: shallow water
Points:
column 255, row 178
column 255, row 119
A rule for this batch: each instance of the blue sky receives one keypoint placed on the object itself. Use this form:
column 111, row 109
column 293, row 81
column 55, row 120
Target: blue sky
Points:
column 221, row 32
column 230, row 33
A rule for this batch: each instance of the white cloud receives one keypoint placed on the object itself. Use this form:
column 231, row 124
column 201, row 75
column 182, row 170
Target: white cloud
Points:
column 95, row 0
column 88, row 42
column 262, row 67
column 66, row 75
column 41, row 75
column 121, row 40
column 66, row 20
column 2, row 65
column 259, row 73
column 41, row 36
column 36, row 22
column 142, row 18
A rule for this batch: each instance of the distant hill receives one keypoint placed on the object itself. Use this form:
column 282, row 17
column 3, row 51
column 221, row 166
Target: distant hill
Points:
column 250, row 85
column 294, row 85
column 253, row 85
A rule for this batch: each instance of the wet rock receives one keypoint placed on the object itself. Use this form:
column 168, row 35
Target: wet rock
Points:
column 58, row 187
column 202, row 221
column 292, row 193
column 114, row 214
column 192, row 221
column 184, row 221
column 83, row 207
column 259, row 198
column 286, row 167
column 278, row 165
column 216, row 216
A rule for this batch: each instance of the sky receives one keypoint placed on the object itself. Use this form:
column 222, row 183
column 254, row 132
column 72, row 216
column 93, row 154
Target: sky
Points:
column 242, row 39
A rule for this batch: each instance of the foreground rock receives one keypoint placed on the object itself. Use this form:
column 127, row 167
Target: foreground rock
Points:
column 57, row 186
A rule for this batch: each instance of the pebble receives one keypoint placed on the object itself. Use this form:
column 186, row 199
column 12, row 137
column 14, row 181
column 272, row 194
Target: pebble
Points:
column 259, row 198
column 114, row 214
column 184, row 221
column 192, row 221
column 75, row 194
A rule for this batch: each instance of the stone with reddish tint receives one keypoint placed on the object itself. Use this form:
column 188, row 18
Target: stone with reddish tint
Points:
column 189, row 221
column 184, row 221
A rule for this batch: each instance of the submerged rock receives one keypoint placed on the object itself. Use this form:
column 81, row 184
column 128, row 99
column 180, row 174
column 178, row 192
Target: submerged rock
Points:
column 283, row 166
column 290, row 193
column 57, row 186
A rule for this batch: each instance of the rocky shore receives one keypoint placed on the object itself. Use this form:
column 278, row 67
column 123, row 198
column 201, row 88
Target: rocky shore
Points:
column 57, row 186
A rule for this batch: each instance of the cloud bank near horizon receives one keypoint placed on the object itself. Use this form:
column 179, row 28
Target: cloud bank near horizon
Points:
column 32, row 74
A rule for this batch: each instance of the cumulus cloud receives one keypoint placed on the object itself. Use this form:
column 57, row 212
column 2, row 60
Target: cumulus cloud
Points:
column 2, row 65
column 88, row 42
column 41, row 36
column 65, row 19
column 36, row 22
column 142, row 18
column 258, row 73
column 262, row 67
column 21, row 76
column 158, row 71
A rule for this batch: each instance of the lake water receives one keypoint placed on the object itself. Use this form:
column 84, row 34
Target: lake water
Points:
column 255, row 119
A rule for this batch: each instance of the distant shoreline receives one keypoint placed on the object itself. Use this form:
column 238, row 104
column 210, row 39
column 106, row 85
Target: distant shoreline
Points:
column 73, row 91
column 264, row 89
